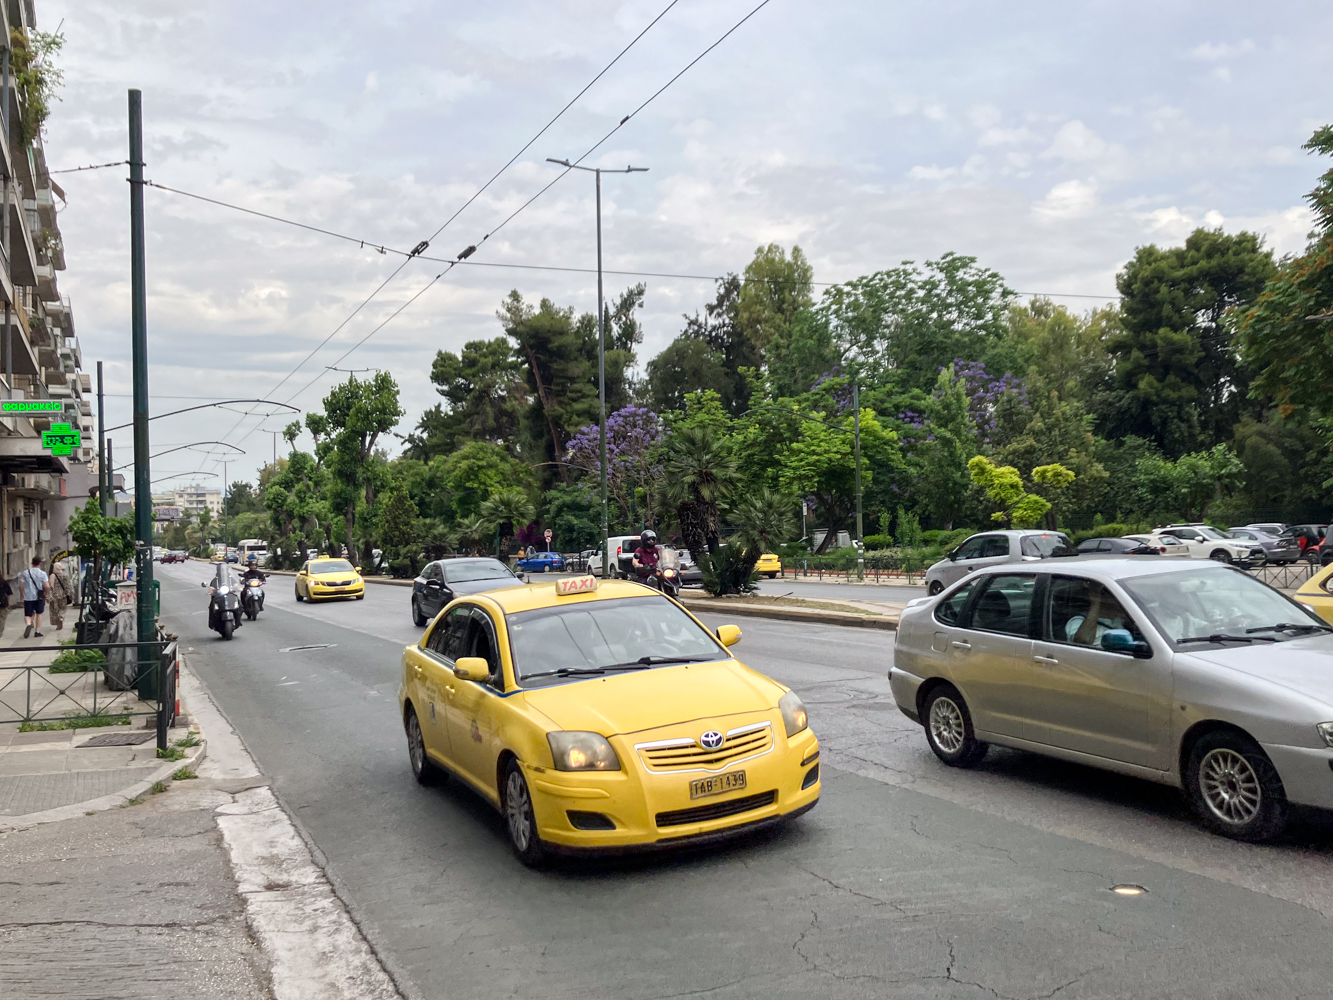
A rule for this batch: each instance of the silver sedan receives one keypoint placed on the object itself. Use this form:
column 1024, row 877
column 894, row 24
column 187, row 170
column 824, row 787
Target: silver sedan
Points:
column 1182, row 672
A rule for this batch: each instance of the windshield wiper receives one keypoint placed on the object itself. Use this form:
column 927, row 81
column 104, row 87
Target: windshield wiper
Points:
column 566, row 672
column 1289, row 627
column 1224, row 637
column 657, row 661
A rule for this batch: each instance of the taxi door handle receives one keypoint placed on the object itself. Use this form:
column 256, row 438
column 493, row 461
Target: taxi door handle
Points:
column 956, row 644
column 449, row 688
column 1045, row 659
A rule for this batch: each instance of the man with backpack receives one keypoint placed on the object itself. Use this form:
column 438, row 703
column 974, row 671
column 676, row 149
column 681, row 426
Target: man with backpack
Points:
column 36, row 587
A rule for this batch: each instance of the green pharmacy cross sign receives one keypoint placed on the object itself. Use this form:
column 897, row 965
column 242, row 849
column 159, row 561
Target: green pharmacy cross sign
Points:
column 62, row 439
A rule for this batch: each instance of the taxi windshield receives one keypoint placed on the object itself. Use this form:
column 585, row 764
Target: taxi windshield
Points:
column 595, row 637
column 323, row 566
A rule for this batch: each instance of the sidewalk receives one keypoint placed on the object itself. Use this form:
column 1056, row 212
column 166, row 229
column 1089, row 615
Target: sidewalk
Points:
column 199, row 886
column 53, row 774
column 824, row 611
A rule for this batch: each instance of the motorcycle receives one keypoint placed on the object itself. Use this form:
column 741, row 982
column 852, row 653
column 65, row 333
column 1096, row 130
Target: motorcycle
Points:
column 667, row 576
column 224, row 603
column 252, row 598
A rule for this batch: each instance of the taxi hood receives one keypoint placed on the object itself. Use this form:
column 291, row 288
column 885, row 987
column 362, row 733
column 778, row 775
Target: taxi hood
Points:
column 648, row 699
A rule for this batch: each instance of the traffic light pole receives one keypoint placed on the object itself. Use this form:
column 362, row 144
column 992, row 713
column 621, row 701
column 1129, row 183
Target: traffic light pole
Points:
column 151, row 682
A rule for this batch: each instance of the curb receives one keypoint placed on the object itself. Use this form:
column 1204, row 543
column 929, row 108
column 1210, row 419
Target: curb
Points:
column 882, row 622
column 12, row 824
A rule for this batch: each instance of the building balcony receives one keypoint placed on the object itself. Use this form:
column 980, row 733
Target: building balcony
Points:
column 46, row 281
column 23, row 256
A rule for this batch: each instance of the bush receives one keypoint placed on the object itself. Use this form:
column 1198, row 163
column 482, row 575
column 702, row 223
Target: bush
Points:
column 878, row 542
column 729, row 570
column 1109, row 531
column 73, row 661
column 946, row 539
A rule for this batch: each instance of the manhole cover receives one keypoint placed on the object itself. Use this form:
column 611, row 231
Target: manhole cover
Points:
column 120, row 739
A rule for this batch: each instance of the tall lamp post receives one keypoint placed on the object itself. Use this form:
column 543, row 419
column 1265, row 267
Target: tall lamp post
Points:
column 601, row 345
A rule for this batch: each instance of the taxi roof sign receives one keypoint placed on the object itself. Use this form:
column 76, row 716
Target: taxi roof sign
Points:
column 576, row 585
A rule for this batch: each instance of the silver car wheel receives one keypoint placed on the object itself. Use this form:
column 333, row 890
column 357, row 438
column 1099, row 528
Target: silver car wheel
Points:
column 517, row 805
column 1230, row 786
column 416, row 749
column 946, row 725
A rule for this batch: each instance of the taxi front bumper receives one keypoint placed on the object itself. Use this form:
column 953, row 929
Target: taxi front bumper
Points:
column 318, row 590
column 642, row 809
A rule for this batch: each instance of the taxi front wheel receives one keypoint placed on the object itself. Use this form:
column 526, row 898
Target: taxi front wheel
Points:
column 519, row 818
column 423, row 768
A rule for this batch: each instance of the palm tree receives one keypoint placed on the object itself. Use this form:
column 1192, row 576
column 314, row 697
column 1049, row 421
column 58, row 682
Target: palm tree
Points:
column 699, row 474
column 508, row 510
column 473, row 532
column 763, row 520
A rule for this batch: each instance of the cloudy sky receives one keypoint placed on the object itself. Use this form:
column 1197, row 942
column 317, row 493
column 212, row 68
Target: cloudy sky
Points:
column 1046, row 139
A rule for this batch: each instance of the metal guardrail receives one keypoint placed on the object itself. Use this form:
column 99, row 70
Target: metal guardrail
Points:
column 92, row 695
column 906, row 570
column 1287, row 576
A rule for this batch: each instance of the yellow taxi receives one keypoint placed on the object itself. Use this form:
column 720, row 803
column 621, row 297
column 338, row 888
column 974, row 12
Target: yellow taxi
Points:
column 769, row 564
column 1314, row 593
column 603, row 718
column 328, row 577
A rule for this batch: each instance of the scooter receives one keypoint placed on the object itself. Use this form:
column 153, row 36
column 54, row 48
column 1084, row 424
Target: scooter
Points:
column 224, row 608
column 252, row 599
column 667, row 577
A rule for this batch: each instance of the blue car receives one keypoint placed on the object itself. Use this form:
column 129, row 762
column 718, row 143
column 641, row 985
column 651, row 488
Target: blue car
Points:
column 540, row 562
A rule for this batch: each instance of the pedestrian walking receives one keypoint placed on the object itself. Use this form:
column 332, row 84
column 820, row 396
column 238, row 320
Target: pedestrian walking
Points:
column 62, row 595
column 36, row 587
column 6, row 592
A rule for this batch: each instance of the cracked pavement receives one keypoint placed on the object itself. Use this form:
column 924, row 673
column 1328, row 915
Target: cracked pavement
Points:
column 909, row 880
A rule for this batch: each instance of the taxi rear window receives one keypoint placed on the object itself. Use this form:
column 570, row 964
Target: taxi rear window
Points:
column 592, row 635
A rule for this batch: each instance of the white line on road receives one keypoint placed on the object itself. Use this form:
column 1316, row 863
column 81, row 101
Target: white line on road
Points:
column 314, row 948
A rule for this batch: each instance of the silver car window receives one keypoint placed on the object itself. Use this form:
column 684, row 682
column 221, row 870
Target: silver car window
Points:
column 951, row 608
column 972, row 548
column 996, row 545
column 1005, row 605
column 1080, row 611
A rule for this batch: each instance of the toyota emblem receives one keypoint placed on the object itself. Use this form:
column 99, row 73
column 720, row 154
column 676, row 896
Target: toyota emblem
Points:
column 710, row 740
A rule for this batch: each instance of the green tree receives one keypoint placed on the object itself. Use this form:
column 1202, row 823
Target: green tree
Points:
column 726, row 343
column 937, row 457
column 508, row 510
column 1003, row 487
column 700, row 472
column 485, row 393
column 1286, row 334
column 477, row 471
column 1189, row 485
column 1177, row 381
column 356, row 415
column 574, row 516
column 399, row 532
column 107, row 541
column 688, row 364
column 474, row 532
column 241, row 499
column 774, row 289
column 908, row 322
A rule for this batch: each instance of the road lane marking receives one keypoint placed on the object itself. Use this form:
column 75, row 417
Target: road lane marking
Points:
column 313, row 645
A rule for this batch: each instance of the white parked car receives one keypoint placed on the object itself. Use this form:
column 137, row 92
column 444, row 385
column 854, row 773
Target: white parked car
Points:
column 1205, row 542
column 990, row 548
column 1167, row 545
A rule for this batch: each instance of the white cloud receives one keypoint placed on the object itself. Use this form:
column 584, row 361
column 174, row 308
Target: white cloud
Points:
column 1075, row 143
column 1214, row 51
column 1006, row 136
column 1070, row 199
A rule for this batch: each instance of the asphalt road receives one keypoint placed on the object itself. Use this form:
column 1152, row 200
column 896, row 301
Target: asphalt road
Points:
column 909, row 879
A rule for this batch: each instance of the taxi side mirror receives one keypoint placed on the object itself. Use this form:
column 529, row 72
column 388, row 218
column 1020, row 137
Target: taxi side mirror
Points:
column 728, row 635
column 358, row 569
column 472, row 668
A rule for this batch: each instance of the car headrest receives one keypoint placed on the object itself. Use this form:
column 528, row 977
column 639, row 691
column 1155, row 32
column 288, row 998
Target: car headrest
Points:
column 992, row 610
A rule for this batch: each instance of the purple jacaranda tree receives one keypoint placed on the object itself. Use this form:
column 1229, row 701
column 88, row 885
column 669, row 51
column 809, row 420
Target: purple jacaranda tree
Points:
column 633, row 436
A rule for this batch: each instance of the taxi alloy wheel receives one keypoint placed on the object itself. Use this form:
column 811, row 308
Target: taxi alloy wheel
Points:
column 1234, row 788
column 949, row 728
column 299, row 598
column 519, row 818
column 423, row 768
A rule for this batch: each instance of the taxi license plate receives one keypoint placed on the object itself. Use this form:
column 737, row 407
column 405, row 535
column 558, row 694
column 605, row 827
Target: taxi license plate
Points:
column 732, row 781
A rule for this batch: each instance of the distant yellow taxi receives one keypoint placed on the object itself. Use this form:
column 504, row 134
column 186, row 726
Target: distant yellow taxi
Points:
column 601, row 718
column 769, row 564
column 1314, row 593
column 328, row 577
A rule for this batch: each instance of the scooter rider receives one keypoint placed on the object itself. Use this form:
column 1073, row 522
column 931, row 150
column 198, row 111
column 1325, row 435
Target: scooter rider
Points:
column 646, row 556
column 253, row 572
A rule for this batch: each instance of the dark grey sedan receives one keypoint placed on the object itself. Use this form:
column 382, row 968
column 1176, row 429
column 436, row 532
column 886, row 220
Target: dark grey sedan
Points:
column 1276, row 550
column 440, row 582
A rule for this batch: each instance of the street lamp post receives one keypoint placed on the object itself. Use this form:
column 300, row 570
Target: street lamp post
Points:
column 601, row 347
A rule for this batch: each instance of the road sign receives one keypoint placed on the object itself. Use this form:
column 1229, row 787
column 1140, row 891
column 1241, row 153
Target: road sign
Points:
column 548, row 536
column 62, row 439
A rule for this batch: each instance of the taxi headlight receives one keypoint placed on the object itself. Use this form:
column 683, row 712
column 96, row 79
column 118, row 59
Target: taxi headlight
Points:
column 582, row 752
column 793, row 713
column 1326, row 731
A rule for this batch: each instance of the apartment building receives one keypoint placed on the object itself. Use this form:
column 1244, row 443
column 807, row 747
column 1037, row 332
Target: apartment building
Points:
column 40, row 358
column 190, row 500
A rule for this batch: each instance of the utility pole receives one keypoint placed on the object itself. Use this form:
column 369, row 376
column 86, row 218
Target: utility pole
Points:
column 601, row 349
column 150, row 682
column 103, row 473
column 856, row 438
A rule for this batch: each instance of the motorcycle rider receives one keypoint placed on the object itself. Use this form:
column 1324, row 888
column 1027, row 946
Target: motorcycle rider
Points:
column 647, row 555
column 253, row 572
